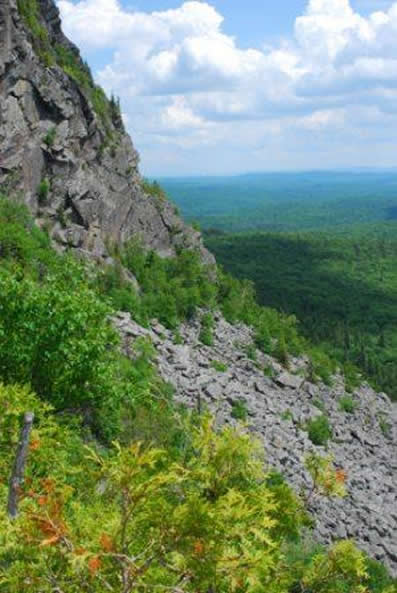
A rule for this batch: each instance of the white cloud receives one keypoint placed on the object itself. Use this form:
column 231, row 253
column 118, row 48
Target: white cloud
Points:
column 186, row 85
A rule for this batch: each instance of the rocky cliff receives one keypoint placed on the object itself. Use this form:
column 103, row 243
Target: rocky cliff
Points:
column 63, row 148
column 279, row 405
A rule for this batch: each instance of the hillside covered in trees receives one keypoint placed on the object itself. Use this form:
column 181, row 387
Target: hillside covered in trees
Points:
column 287, row 201
column 342, row 288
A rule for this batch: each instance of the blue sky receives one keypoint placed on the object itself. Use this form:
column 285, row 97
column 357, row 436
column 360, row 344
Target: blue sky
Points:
column 228, row 86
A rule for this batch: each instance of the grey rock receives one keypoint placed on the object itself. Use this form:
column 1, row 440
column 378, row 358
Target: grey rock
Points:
column 368, row 512
column 95, row 183
column 285, row 379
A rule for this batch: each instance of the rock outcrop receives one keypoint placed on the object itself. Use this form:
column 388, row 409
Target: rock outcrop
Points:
column 63, row 148
column 364, row 443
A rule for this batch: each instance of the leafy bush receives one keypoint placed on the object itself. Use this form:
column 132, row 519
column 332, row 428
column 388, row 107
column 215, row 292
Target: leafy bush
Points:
column 206, row 335
column 384, row 426
column 131, row 517
column 43, row 190
column 21, row 242
column 220, row 367
column 347, row 404
column 154, row 189
column 287, row 415
column 239, row 410
column 49, row 138
column 326, row 479
column 29, row 11
column 319, row 430
column 172, row 289
column 58, row 341
column 321, row 366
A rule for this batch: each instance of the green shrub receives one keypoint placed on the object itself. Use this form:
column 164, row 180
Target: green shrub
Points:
column 347, row 404
column 239, row 410
column 172, row 289
column 220, row 367
column 319, row 430
column 21, row 242
column 49, row 138
column 57, row 339
column 268, row 371
column 177, row 338
column 352, row 377
column 154, row 189
column 319, row 403
column 384, row 426
column 29, row 11
column 287, row 415
column 43, row 191
column 206, row 335
column 378, row 577
column 250, row 351
column 321, row 367
column 289, row 508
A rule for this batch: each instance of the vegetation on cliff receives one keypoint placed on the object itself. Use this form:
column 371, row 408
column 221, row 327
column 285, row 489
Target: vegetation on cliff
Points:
column 189, row 507
column 70, row 61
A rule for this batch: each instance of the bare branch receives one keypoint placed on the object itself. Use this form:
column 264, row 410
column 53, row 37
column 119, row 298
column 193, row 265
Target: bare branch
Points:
column 19, row 465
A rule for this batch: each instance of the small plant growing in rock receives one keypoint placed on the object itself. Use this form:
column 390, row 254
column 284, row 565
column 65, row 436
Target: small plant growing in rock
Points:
column 281, row 352
column 43, row 190
column 319, row 430
column 239, row 410
column 220, row 367
column 268, row 371
column 318, row 403
column 287, row 415
column 250, row 351
column 327, row 480
column 178, row 340
column 384, row 426
column 347, row 404
column 49, row 138
column 207, row 324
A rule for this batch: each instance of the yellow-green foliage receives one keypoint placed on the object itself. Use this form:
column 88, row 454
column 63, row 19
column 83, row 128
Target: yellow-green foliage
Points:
column 133, row 518
column 326, row 479
column 29, row 11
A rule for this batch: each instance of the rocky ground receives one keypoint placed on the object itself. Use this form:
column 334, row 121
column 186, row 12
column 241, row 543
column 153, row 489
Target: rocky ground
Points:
column 364, row 442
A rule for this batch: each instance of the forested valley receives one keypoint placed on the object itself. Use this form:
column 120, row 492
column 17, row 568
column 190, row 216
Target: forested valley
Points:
column 343, row 290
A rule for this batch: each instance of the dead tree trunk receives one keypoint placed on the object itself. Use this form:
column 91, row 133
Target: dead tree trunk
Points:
column 19, row 465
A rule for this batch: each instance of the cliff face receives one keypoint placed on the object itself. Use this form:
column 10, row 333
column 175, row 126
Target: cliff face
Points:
column 63, row 148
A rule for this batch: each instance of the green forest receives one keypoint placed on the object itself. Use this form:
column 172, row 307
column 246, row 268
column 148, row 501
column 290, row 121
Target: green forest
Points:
column 342, row 288
column 288, row 202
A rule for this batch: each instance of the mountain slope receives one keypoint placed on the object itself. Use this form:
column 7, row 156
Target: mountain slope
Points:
column 65, row 153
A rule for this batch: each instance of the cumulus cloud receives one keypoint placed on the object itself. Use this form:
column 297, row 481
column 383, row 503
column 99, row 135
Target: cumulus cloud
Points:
column 183, row 82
